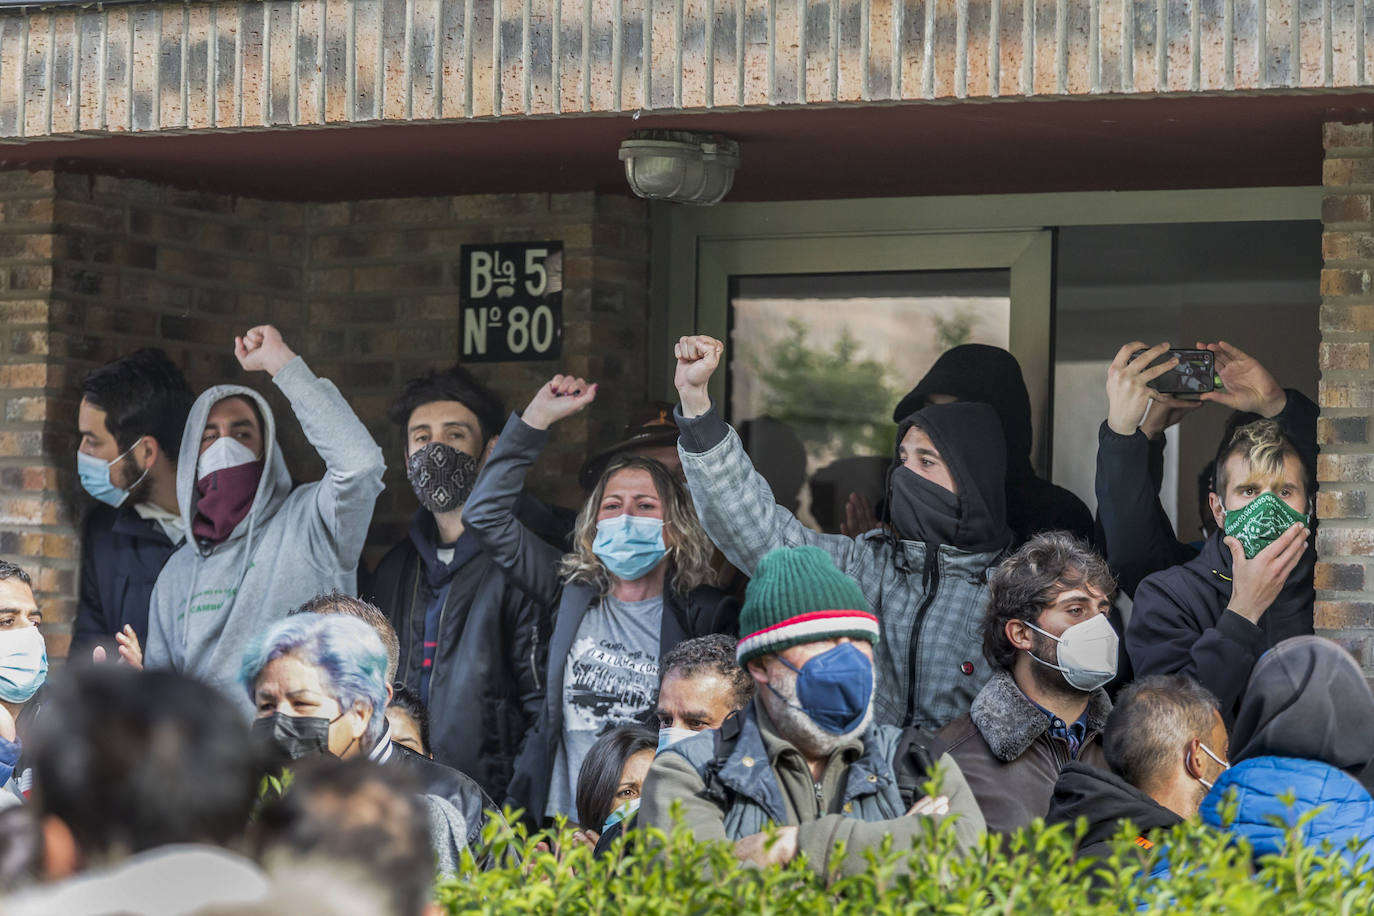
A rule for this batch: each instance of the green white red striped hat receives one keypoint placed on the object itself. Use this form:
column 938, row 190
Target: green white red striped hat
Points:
column 798, row 596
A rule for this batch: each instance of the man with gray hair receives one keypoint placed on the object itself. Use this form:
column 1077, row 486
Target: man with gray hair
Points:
column 1165, row 744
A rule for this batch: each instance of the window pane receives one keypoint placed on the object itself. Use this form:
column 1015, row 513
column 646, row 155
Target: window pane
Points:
column 826, row 358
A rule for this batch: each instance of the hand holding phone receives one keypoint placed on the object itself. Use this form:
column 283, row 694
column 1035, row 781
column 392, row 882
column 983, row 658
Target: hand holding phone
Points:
column 1194, row 374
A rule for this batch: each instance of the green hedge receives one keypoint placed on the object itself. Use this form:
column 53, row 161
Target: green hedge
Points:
column 1035, row 873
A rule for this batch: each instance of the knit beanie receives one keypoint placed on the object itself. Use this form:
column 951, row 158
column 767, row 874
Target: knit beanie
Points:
column 798, row 596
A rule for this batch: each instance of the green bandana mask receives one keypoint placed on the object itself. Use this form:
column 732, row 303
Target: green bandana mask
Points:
column 1260, row 522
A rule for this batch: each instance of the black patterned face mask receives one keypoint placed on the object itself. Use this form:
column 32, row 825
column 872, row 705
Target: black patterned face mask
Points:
column 441, row 476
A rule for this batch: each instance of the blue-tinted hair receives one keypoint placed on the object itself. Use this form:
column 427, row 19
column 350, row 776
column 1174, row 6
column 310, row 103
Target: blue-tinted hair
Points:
column 347, row 652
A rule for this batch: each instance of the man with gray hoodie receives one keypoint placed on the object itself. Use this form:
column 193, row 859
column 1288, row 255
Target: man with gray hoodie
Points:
column 258, row 548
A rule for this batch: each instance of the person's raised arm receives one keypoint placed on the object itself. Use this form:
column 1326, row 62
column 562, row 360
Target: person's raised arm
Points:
column 1250, row 388
column 490, row 511
column 733, row 501
column 345, row 497
column 1137, row 537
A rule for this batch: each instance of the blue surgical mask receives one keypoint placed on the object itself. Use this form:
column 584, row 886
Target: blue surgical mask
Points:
column 23, row 664
column 667, row 737
column 95, row 477
column 629, row 545
column 835, row 688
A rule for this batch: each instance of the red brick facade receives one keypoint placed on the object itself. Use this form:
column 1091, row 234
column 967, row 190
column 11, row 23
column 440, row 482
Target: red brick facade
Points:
column 91, row 268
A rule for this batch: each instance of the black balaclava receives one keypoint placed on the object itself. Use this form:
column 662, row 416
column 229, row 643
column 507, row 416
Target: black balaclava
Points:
column 1306, row 699
column 978, row 372
column 968, row 437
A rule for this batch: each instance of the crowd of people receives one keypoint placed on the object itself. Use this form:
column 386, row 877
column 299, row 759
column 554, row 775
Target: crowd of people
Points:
column 680, row 652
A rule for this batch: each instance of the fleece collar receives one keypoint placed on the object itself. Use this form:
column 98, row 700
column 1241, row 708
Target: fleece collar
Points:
column 1010, row 723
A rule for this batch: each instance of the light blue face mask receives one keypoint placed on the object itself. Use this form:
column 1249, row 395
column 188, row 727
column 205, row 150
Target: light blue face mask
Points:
column 667, row 737
column 621, row 814
column 629, row 545
column 95, row 477
column 23, row 664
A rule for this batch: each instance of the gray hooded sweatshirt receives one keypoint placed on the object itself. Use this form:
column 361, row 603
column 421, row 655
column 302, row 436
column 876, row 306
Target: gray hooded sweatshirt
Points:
column 213, row 602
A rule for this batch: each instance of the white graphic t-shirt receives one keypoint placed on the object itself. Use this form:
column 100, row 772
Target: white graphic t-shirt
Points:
column 611, row 678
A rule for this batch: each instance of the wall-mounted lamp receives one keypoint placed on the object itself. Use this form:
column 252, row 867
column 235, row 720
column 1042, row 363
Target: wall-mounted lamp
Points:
column 680, row 165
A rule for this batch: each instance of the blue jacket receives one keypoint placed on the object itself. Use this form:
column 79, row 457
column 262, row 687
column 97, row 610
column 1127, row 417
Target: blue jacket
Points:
column 121, row 556
column 1347, row 808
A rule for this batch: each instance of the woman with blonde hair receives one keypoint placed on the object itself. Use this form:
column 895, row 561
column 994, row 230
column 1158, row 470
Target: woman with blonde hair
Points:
column 637, row 582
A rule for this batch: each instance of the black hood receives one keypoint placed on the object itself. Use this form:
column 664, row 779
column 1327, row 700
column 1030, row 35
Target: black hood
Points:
column 978, row 372
column 969, row 439
column 1306, row 699
column 1104, row 799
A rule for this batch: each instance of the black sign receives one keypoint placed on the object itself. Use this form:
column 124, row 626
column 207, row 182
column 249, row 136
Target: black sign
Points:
column 512, row 302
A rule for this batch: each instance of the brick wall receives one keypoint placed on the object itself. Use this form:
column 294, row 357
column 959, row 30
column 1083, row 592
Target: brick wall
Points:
column 382, row 305
column 1345, row 583
column 91, row 268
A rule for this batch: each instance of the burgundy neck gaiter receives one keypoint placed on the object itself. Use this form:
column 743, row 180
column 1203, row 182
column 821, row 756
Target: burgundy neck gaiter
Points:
column 226, row 497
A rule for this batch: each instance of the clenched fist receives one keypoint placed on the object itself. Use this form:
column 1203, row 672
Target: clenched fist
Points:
column 697, row 359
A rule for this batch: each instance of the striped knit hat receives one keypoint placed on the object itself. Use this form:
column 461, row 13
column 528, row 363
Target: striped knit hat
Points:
column 798, row 596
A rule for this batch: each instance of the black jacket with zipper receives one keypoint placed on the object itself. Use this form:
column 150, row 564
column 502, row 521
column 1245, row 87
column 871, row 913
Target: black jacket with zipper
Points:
column 1135, row 535
column 487, row 680
column 1180, row 623
column 533, row 564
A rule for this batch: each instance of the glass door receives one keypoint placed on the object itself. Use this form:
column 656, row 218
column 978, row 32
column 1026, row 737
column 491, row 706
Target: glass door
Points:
column 826, row 333
column 817, row 363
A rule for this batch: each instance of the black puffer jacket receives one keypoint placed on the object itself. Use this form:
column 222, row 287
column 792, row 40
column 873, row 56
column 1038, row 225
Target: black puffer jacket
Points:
column 977, row 372
column 454, row 787
column 533, row 564
column 487, row 680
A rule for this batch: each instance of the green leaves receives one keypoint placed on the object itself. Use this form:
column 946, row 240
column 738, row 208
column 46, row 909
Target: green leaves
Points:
column 657, row 873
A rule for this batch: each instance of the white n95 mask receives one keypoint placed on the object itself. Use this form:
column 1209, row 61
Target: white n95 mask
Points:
column 1087, row 653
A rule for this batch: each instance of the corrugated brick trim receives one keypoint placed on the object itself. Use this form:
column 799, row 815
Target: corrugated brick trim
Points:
column 230, row 65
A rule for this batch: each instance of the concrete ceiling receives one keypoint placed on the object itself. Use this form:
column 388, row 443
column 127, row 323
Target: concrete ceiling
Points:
column 811, row 153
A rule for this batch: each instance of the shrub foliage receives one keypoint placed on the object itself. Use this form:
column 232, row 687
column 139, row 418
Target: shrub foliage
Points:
column 1191, row 870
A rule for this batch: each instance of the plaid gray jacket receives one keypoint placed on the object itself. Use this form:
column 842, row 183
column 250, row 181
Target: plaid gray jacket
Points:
column 929, row 665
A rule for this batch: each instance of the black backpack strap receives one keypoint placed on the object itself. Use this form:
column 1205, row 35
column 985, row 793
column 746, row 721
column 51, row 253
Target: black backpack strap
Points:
column 727, row 736
column 913, row 762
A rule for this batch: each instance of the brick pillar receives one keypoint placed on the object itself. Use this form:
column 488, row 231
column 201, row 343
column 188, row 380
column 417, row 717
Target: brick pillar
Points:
column 1345, row 586
column 38, row 528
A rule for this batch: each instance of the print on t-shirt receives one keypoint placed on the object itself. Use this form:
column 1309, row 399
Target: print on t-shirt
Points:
column 607, row 682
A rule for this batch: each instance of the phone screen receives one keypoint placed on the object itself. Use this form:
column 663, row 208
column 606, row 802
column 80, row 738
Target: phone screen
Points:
column 1194, row 373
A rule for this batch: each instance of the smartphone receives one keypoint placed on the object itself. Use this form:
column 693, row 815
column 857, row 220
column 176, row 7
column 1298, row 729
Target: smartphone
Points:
column 1194, row 374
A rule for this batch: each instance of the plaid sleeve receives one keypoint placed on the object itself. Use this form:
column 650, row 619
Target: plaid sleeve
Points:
column 736, row 507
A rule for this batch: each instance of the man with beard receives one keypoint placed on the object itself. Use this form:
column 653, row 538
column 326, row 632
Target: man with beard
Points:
column 926, row 579
column 1166, row 744
column 131, row 416
column 1047, row 637
column 805, row 755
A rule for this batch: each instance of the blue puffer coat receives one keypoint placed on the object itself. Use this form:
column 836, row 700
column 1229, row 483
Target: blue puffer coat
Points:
column 1347, row 809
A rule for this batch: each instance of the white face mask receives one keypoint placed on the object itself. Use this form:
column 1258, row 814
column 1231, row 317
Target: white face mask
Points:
column 1221, row 763
column 225, row 452
column 1087, row 653
column 667, row 737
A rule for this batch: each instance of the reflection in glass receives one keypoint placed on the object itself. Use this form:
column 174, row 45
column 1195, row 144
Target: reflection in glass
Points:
column 824, row 358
